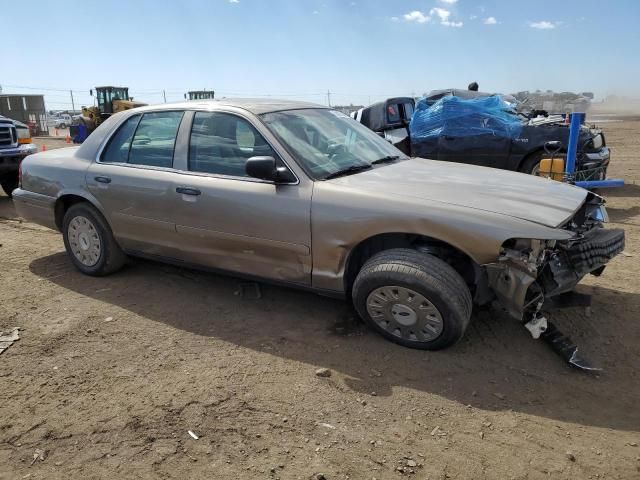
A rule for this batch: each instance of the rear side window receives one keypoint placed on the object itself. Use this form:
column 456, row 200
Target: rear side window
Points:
column 117, row 150
column 155, row 138
column 393, row 113
column 221, row 143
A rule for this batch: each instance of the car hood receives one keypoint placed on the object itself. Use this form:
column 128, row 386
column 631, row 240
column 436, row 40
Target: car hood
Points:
column 518, row 195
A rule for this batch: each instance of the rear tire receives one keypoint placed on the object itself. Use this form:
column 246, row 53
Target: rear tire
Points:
column 9, row 183
column 413, row 299
column 89, row 241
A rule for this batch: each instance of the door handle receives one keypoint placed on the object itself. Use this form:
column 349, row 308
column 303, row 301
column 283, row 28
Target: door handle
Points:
column 188, row 191
column 102, row 179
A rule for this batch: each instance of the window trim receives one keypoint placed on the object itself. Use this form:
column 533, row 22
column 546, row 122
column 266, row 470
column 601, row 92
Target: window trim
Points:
column 233, row 177
column 188, row 118
column 107, row 141
column 175, row 140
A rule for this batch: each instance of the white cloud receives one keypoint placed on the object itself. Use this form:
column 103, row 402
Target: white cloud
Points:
column 315, row 12
column 421, row 17
column 234, row 1
column 394, row 19
column 490, row 21
column 444, row 17
column 543, row 25
column 449, row 2
column 417, row 16
column 441, row 12
column 473, row 17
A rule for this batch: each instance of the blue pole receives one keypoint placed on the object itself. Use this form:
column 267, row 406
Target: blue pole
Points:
column 572, row 148
column 612, row 182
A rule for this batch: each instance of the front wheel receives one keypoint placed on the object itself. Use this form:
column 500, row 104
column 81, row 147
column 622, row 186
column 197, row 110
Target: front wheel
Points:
column 9, row 183
column 531, row 165
column 413, row 299
column 89, row 241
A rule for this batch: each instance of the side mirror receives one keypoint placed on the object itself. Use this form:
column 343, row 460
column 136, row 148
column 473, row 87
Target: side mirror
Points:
column 265, row 168
column 91, row 92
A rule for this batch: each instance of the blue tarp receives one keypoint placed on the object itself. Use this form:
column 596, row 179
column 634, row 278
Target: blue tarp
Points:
column 456, row 117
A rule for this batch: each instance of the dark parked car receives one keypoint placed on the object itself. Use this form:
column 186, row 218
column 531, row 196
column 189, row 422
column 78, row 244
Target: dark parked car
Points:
column 391, row 119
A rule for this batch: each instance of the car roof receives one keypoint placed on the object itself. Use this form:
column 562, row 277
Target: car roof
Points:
column 256, row 106
column 456, row 92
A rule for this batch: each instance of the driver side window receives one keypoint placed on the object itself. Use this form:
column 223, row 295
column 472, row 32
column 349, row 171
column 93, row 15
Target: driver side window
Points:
column 221, row 143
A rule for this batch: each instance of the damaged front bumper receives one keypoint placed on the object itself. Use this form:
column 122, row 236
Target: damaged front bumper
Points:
column 523, row 278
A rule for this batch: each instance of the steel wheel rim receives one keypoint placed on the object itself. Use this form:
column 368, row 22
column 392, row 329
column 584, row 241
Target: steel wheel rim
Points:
column 536, row 170
column 405, row 313
column 84, row 241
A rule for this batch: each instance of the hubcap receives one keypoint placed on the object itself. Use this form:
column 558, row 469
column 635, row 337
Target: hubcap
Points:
column 84, row 241
column 405, row 313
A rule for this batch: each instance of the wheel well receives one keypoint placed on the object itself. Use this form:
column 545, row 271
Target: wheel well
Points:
column 63, row 204
column 529, row 155
column 460, row 261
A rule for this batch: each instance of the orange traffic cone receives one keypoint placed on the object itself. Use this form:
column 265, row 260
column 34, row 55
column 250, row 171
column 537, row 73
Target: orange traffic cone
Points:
column 67, row 138
column 44, row 148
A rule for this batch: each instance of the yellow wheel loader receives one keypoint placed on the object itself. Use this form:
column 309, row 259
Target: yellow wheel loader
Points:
column 110, row 100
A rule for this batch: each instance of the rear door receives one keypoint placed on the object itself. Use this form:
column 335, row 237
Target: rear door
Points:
column 484, row 149
column 230, row 221
column 133, row 181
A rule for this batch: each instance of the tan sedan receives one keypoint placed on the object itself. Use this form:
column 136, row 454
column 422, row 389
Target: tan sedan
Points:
column 301, row 194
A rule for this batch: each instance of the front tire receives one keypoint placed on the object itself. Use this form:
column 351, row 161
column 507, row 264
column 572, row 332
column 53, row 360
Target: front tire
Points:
column 89, row 241
column 413, row 299
column 531, row 164
column 9, row 183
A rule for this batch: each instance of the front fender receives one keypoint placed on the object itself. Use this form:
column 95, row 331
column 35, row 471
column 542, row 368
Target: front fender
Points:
column 342, row 219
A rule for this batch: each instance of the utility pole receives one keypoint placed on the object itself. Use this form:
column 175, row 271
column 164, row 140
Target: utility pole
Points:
column 73, row 105
column 328, row 98
column 164, row 95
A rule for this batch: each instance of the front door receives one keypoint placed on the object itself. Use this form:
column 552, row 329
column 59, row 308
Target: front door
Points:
column 230, row 221
column 134, row 182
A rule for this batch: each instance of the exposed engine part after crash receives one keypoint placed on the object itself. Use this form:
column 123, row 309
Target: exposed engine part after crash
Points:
column 530, row 271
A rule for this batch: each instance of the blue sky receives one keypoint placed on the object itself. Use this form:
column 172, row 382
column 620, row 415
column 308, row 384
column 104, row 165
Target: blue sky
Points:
column 359, row 50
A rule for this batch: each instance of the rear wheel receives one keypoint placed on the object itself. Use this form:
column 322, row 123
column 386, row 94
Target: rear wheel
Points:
column 89, row 241
column 413, row 299
column 9, row 182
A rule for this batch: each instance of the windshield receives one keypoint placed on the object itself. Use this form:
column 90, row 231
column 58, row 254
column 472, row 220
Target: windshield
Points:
column 327, row 142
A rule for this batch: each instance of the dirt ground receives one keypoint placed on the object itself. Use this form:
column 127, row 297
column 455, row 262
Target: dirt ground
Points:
column 110, row 374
